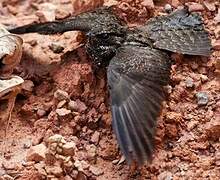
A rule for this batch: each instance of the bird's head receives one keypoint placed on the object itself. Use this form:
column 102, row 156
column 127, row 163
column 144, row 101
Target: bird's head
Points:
column 104, row 31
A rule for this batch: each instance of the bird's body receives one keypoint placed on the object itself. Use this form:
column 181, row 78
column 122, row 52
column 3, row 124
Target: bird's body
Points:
column 138, row 66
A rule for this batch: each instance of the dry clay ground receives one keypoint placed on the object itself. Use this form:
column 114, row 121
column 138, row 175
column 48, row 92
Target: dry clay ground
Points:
column 62, row 95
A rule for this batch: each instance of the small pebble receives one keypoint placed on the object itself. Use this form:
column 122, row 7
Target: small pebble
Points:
column 7, row 177
column 168, row 8
column 217, row 17
column 8, row 165
column 61, row 95
column 63, row 111
column 95, row 137
column 195, row 7
column 27, row 144
column 61, row 104
column 216, row 45
column 202, row 98
column 148, row 3
column 189, row 82
column 72, row 105
column 61, row 14
column 115, row 161
column 96, row 171
column 41, row 113
column 204, row 78
column 209, row 5
column 56, row 48
column 175, row 3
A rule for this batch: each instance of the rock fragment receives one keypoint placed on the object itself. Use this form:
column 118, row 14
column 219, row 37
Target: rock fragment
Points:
column 61, row 104
column 91, row 151
column 209, row 5
column 213, row 129
column 8, row 165
column 96, row 171
column 216, row 45
column 149, row 4
column 189, row 82
column 95, row 137
column 217, row 31
column 69, row 148
column 7, row 177
column 41, row 113
column 72, row 105
column 55, row 170
column 166, row 175
column 202, row 98
column 217, row 17
column 194, row 7
column 81, row 106
column 28, row 85
column 168, row 8
column 63, row 112
column 40, row 167
column 175, row 3
column 56, row 48
column 81, row 165
column 61, row 95
column 61, row 14
column 36, row 153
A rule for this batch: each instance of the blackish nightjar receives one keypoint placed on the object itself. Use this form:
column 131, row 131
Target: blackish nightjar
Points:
column 138, row 65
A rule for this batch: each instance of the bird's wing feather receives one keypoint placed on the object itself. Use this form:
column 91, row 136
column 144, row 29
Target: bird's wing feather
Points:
column 136, row 76
column 180, row 32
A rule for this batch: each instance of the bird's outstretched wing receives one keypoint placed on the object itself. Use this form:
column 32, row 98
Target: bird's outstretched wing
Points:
column 136, row 76
column 180, row 32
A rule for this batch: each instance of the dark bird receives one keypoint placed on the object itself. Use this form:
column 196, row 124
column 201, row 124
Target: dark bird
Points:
column 138, row 65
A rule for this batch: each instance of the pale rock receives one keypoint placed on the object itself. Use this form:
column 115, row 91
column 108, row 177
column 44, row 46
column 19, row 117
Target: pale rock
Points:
column 148, row 3
column 57, row 138
column 209, row 5
column 193, row 7
column 72, row 105
column 202, row 98
column 8, row 165
column 61, row 14
column 91, row 150
column 216, row 45
column 69, row 148
column 96, row 171
column 28, row 85
column 175, row 3
column 40, row 168
column 168, row 8
column 41, row 113
column 81, row 107
column 56, row 47
column 61, row 104
column 55, row 170
column 61, row 95
column 63, row 112
column 166, row 175
column 36, row 153
column 46, row 12
column 67, row 177
column 81, row 165
column 6, row 177
column 95, row 137
column 189, row 82
column 217, row 17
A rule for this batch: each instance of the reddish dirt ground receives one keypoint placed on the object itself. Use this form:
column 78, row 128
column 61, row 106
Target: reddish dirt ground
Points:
column 62, row 95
